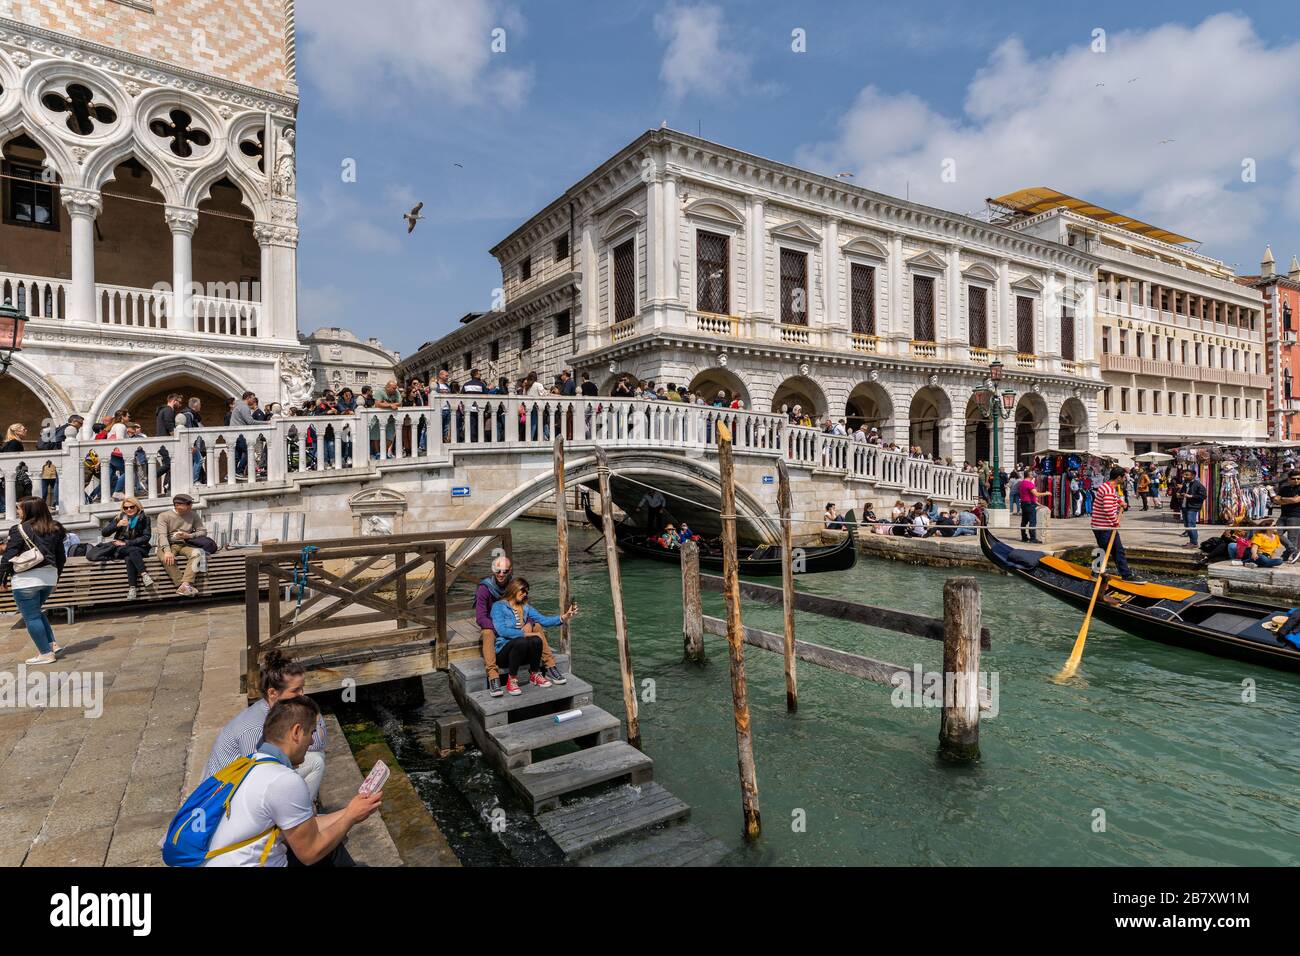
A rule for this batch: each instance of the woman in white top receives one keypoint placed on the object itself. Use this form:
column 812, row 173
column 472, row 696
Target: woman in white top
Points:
column 36, row 529
column 117, row 463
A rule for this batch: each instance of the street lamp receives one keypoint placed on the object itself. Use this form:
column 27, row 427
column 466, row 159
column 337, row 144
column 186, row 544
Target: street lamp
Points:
column 988, row 396
column 12, row 323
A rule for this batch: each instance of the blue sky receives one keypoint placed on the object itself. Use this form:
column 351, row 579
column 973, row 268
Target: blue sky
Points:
column 1185, row 115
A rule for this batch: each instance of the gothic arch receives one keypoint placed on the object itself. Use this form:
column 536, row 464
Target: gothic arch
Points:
column 102, row 169
column 55, row 156
column 200, row 186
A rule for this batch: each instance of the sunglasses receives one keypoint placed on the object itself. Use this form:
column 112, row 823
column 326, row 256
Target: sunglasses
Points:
column 130, row 508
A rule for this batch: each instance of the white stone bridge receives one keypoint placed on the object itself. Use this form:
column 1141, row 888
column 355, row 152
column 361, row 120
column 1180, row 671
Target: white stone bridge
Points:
column 481, row 463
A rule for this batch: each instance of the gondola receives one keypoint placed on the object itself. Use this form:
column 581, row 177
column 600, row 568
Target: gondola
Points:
column 1225, row 627
column 763, row 561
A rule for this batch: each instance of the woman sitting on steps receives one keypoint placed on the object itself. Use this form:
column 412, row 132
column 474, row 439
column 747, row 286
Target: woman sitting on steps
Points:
column 518, row 627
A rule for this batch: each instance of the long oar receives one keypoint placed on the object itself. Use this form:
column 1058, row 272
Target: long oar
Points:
column 1076, row 655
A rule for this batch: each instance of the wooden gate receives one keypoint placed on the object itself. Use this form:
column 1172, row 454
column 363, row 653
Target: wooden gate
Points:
column 355, row 610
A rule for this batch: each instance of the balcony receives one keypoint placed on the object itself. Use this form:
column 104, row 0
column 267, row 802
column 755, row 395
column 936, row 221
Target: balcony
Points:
column 1026, row 360
column 927, row 350
column 145, row 310
column 621, row 331
column 862, row 342
column 795, row 334
column 1110, row 362
column 715, row 323
column 980, row 356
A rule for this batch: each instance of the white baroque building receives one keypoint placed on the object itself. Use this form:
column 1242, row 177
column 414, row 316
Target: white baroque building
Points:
column 684, row 261
column 339, row 359
column 150, row 225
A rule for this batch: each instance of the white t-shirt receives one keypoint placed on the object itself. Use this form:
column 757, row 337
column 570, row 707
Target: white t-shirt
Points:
column 920, row 523
column 270, row 794
column 537, row 390
column 118, row 431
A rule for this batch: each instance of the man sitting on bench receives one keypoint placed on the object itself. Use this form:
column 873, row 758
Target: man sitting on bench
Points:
column 176, row 529
column 488, row 593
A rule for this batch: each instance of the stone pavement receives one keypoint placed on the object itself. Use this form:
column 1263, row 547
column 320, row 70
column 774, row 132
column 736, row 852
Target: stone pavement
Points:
column 91, row 791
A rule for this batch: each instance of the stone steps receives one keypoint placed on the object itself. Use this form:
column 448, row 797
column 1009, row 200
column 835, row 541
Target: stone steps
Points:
column 518, row 740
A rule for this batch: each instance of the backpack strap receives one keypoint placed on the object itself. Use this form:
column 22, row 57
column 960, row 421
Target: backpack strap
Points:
column 272, row 833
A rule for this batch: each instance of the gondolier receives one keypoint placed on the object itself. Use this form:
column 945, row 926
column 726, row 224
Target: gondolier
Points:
column 653, row 502
column 1107, row 505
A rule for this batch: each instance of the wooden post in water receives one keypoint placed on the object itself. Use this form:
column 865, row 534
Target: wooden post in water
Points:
column 692, row 608
column 616, row 595
column 562, row 543
column 959, row 728
column 787, row 584
column 736, row 638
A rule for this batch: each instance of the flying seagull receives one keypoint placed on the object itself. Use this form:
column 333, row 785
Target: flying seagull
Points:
column 843, row 175
column 1163, row 141
column 458, row 165
column 413, row 217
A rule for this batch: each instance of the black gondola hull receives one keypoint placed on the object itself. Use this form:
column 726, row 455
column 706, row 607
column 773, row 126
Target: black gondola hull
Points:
column 1145, row 624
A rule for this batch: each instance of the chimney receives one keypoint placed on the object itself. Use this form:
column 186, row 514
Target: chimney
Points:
column 1294, row 274
column 1266, row 267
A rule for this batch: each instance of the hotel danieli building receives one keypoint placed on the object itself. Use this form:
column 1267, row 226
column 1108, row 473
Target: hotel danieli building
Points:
column 149, row 228
column 685, row 261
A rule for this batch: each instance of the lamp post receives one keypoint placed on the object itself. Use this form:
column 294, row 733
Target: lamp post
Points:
column 997, row 411
column 12, row 323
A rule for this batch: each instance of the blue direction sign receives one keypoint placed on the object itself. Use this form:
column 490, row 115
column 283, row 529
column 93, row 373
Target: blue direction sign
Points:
column 460, row 491
column 769, row 480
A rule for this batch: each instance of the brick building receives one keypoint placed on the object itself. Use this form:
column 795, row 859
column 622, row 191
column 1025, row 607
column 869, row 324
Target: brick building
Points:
column 149, row 226
column 1281, row 323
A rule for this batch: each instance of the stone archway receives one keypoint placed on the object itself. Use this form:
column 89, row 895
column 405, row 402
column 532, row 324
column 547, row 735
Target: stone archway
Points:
column 929, row 418
column 20, row 405
column 1073, row 423
column 1031, row 426
column 979, row 431
column 804, row 392
column 869, row 404
column 711, row 381
column 136, row 388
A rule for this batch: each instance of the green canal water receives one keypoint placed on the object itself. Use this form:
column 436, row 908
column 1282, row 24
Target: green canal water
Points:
column 1158, row 740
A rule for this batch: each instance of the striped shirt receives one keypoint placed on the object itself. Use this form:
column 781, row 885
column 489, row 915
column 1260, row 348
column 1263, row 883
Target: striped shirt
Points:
column 1106, row 506
column 243, row 735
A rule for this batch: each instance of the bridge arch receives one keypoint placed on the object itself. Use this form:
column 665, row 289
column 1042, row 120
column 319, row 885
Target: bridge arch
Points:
column 692, row 487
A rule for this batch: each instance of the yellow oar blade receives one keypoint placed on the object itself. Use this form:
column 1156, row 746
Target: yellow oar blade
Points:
column 1076, row 655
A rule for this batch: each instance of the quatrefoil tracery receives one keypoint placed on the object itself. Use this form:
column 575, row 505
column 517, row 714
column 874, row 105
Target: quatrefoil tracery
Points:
column 182, row 132
column 78, row 101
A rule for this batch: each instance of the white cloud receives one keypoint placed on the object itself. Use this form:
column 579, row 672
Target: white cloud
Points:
column 1091, row 124
column 416, row 51
column 699, row 58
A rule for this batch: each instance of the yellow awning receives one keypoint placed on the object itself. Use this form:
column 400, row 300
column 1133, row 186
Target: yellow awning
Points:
column 1038, row 199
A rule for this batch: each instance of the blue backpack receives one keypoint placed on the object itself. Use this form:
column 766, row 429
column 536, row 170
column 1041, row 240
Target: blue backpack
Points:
column 189, row 835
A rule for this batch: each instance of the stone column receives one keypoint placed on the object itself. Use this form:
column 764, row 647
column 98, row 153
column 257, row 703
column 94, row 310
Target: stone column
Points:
column 671, row 241
column 953, row 330
column 831, row 285
column 756, row 256
column 182, row 221
column 1005, row 314
column 896, row 329
column 654, row 229
column 279, row 318
column 83, row 206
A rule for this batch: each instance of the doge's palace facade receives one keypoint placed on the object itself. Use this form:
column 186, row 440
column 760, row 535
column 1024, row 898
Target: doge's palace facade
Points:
column 150, row 225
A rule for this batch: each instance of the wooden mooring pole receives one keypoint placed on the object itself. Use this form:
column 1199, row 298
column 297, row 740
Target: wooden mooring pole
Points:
column 736, row 639
column 562, row 543
column 692, row 608
column 959, row 727
column 787, row 584
column 616, row 595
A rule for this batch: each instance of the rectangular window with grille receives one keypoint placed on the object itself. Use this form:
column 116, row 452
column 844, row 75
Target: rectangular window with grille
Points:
column 922, row 308
column 1024, row 325
column 562, row 323
column 1067, row 334
column 625, row 280
column 713, row 281
column 862, row 290
column 526, row 338
column 977, row 314
column 468, row 359
column 495, row 352
column 526, row 269
column 794, row 287
column 562, row 247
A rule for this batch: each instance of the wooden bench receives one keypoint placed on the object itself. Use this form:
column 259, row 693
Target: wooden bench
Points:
column 85, row 584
